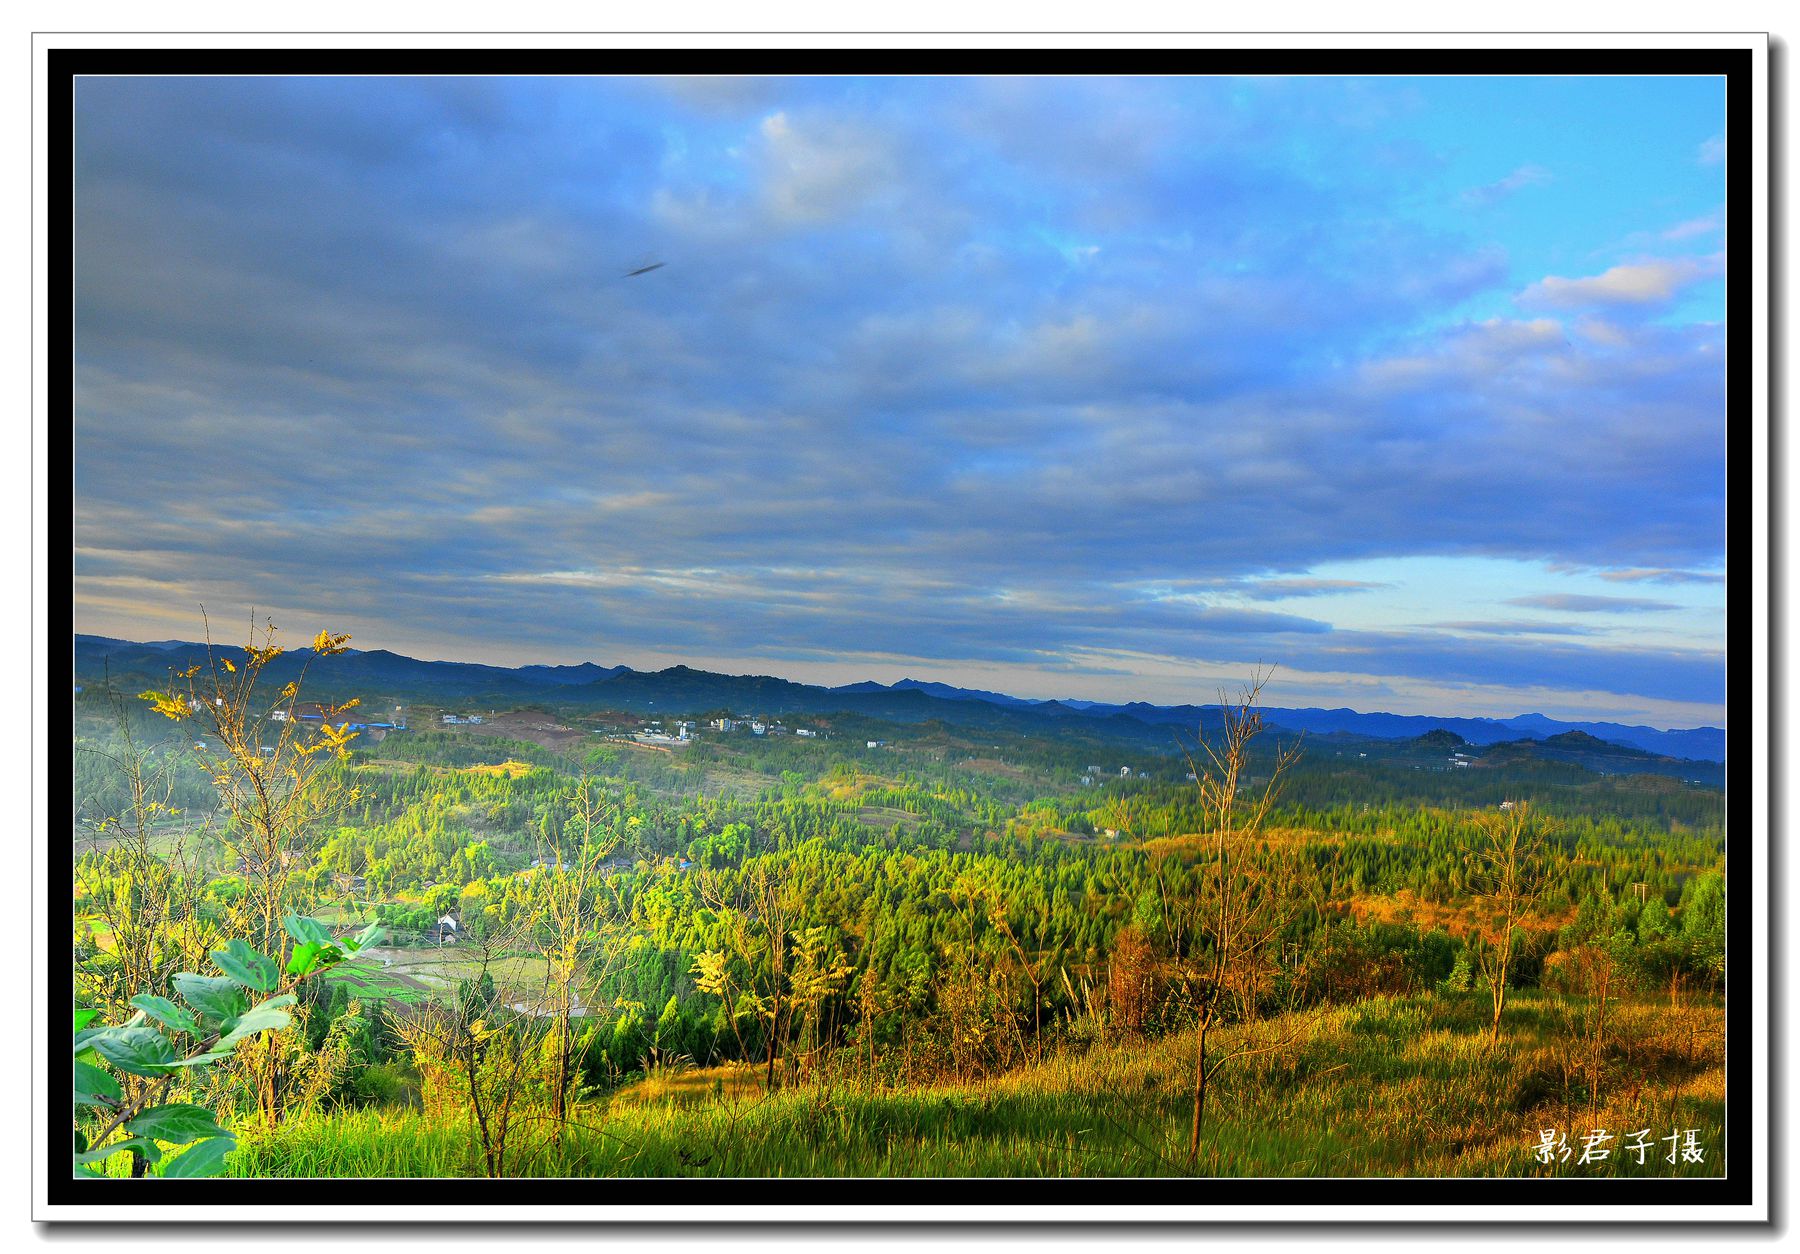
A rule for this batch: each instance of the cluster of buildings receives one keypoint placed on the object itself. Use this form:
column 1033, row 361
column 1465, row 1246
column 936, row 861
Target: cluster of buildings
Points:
column 315, row 713
column 655, row 735
column 759, row 727
column 1093, row 773
column 454, row 720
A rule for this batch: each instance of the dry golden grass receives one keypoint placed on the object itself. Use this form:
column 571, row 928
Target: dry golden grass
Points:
column 735, row 1081
column 509, row 768
column 1460, row 919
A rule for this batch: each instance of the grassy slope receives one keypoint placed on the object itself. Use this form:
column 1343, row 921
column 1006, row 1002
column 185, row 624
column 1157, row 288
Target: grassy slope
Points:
column 1389, row 1087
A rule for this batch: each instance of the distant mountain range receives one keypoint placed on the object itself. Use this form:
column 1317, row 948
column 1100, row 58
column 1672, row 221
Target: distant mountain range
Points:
column 1700, row 743
column 1445, row 750
column 378, row 673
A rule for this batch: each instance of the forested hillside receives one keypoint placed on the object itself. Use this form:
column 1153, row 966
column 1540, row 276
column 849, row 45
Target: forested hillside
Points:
column 558, row 924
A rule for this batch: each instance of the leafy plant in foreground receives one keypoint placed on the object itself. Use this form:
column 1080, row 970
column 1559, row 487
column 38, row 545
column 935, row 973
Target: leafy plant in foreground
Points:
column 123, row 1072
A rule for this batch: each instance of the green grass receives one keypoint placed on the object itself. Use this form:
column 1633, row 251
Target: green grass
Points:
column 1390, row 1087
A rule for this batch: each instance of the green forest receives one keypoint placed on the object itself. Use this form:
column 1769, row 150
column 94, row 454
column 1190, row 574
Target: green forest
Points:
column 499, row 950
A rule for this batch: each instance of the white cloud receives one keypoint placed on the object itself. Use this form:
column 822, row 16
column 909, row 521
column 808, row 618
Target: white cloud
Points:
column 1643, row 283
column 816, row 170
column 1599, row 331
column 1480, row 349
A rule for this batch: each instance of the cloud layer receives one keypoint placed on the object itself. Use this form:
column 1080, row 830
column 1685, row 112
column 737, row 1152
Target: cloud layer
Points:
column 986, row 372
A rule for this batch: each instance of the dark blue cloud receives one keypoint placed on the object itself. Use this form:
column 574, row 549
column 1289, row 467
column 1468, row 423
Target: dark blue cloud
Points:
column 1576, row 604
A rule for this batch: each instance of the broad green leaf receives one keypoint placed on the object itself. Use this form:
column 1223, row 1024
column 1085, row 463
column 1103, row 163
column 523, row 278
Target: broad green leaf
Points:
column 84, row 1017
column 146, row 1148
column 204, row 1060
column 247, row 967
column 217, row 998
column 92, row 1084
column 306, row 931
column 84, row 1039
column 141, row 1051
column 303, row 957
column 204, row 1159
column 166, row 1012
column 254, row 1021
column 176, row 1123
column 370, row 935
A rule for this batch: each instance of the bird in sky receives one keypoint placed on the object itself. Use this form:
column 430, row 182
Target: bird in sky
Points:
column 655, row 265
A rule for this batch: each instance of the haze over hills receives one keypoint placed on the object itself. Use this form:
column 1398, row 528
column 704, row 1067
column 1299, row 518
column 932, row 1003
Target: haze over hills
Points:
column 687, row 690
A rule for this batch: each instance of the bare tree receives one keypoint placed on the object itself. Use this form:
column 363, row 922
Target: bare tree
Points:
column 573, row 908
column 479, row 1052
column 757, row 915
column 1035, row 969
column 1505, row 855
column 871, row 1002
column 1225, row 928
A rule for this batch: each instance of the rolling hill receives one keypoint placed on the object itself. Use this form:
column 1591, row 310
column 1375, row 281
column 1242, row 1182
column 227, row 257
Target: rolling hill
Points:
column 379, row 674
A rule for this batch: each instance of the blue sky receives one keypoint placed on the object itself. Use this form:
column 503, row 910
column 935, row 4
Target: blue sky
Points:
column 1105, row 388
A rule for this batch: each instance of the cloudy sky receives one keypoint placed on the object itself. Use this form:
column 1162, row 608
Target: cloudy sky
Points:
column 1069, row 387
